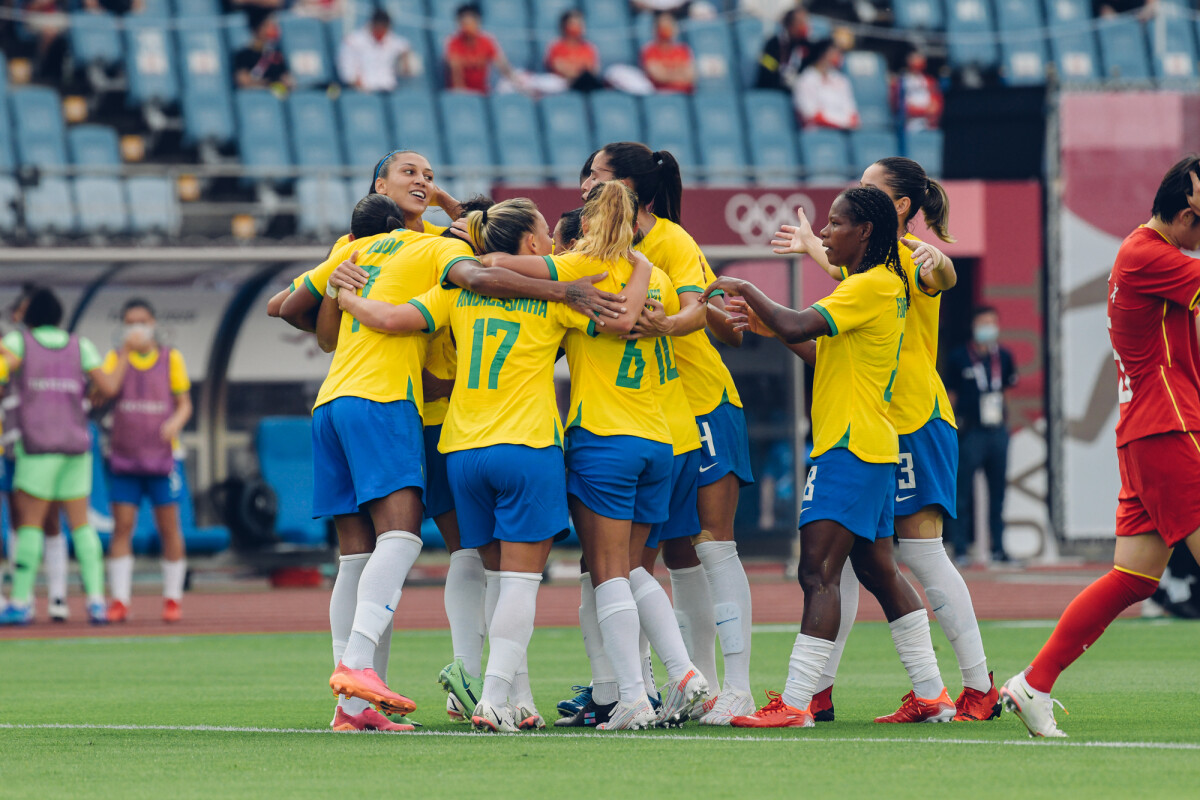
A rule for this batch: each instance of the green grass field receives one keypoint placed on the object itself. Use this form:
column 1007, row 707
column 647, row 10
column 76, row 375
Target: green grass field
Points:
column 1133, row 726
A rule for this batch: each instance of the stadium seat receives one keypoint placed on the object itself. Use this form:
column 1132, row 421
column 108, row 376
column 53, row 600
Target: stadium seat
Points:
column 970, row 32
column 262, row 134
column 669, row 126
column 1172, row 48
column 568, row 135
column 49, row 208
column 1019, row 15
column 284, row 447
column 606, row 13
column 197, row 8
column 94, row 146
column 40, row 135
column 1123, row 49
column 206, row 82
column 826, row 157
column 716, row 62
column 919, row 14
column 508, row 22
column 325, row 206
column 608, row 27
column 10, row 195
column 153, row 205
column 1022, row 43
column 867, row 147
column 925, row 147
column 149, row 62
column 768, row 110
column 515, row 123
column 100, row 202
column 466, row 129
column 95, row 38
column 546, row 13
column 414, row 123
column 7, row 158
column 3, row 74
column 867, row 72
column 1074, row 51
column 615, row 117
column 237, row 31
column 366, row 135
column 1068, row 12
column 156, row 10
column 749, row 37
column 722, row 144
column 303, row 43
column 315, row 138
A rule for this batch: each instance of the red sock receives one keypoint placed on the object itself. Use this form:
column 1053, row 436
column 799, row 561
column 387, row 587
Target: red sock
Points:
column 1084, row 620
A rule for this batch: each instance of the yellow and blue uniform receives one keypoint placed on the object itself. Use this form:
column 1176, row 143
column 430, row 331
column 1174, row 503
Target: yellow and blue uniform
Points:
column 711, row 393
column 367, row 431
column 502, row 436
column 855, row 448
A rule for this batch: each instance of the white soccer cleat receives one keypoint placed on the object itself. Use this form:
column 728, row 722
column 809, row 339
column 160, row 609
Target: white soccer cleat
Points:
column 680, row 696
column 637, row 716
column 58, row 610
column 489, row 719
column 455, row 710
column 527, row 718
column 1035, row 709
column 729, row 704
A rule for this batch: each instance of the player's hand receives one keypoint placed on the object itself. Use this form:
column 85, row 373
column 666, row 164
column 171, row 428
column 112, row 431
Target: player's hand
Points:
column 1194, row 197
column 639, row 260
column 583, row 296
column 435, row 388
column 794, row 239
column 927, row 257
column 732, row 287
column 651, row 322
column 743, row 318
column 459, row 229
column 349, row 275
column 170, row 430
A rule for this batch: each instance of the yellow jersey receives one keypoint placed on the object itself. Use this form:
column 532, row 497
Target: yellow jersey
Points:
column 379, row 366
column 504, row 386
column 441, row 362
column 685, row 435
column 316, row 279
column 176, row 368
column 919, row 396
column 706, row 379
column 857, row 365
column 612, row 391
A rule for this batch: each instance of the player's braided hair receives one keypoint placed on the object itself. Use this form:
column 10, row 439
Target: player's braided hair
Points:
column 874, row 206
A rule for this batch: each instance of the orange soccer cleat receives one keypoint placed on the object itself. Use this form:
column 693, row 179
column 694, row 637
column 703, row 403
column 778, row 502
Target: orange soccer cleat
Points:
column 919, row 709
column 368, row 720
column 171, row 611
column 117, row 611
column 775, row 714
column 365, row 684
column 976, row 706
column 822, row 705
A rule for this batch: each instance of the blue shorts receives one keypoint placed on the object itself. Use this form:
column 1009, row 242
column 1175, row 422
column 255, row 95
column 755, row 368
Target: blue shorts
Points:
column 8, row 467
column 163, row 490
column 851, row 492
column 724, row 445
column 509, row 492
column 364, row 450
column 927, row 474
column 620, row 477
column 685, row 518
column 438, row 498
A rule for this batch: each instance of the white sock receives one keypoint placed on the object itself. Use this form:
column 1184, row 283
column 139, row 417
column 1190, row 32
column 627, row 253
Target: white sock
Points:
column 174, row 573
column 383, row 652
column 604, row 678
column 809, row 655
column 54, row 560
column 379, row 591
column 617, row 614
column 342, row 602
column 951, row 602
column 120, row 578
column 647, row 661
column 658, row 621
column 910, row 634
column 465, row 589
column 521, row 693
column 731, row 608
column 694, row 613
column 510, row 632
column 491, row 595
column 849, row 593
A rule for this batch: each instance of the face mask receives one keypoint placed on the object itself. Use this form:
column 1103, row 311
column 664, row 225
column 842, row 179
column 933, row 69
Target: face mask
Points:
column 574, row 30
column 987, row 334
column 139, row 329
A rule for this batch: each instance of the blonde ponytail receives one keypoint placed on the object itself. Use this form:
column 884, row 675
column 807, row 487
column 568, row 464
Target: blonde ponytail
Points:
column 611, row 217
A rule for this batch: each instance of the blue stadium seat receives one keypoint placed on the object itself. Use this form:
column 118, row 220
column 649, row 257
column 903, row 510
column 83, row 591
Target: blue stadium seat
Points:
column 669, row 126
column 285, row 457
column 608, row 27
column 237, row 32
column 568, row 135
column 750, row 38
column 515, row 123
column 867, row 72
column 716, row 63
column 94, row 146
column 546, row 13
column 925, row 147
column 1019, row 15
column 95, row 38
column 770, row 124
column 465, row 129
column 1123, row 49
column 304, row 46
column 606, row 13
column 1075, row 57
column 325, row 206
column 722, row 144
column 414, row 123
column 38, row 121
column 924, row 14
column 1022, row 43
column 156, row 10
column 970, row 31
column 366, row 135
column 7, row 137
column 206, row 83
column 1173, row 57
column 10, row 194
column 100, row 202
column 1068, row 12
column 3, row 74
column 508, row 22
column 867, row 147
column 49, row 208
column 153, row 205
column 197, row 8
column 262, row 134
column 826, row 156
column 616, row 117
column 315, row 138
column 149, row 62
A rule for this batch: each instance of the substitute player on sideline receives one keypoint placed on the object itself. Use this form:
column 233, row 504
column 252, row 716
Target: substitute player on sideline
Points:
column 1153, row 293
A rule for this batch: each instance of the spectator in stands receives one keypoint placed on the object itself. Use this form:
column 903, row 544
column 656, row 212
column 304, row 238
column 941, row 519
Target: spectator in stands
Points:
column 823, row 96
column 782, row 55
column 916, row 96
column 572, row 57
column 260, row 64
column 370, row 58
column 46, row 26
column 256, row 10
column 668, row 62
column 471, row 53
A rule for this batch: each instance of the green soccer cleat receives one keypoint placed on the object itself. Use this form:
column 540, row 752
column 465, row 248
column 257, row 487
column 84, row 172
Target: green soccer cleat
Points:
column 455, row 680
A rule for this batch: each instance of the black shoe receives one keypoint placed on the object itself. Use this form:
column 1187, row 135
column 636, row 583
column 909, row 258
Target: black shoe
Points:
column 1000, row 557
column 589, row 716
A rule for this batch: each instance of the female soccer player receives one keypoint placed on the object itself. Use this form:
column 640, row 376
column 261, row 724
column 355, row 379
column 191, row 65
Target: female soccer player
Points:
column 924, row 420
column 51, row 369
column 1153, row 293
column 152, row 406
column 847, row 506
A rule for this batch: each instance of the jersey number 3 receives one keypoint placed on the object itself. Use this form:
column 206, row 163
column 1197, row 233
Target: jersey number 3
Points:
column 509, row 331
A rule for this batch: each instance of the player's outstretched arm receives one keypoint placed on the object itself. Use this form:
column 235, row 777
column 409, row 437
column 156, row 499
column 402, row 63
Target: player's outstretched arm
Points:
column 380, row 315
column 329, row 323
column 788, row 324
column 741, row 315
column 934, row 268
column 275, row 304
column 720, row 324
column 801, row 240
column 299, row 309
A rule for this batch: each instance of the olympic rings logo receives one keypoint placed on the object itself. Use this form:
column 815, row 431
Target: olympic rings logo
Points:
column 755, row 219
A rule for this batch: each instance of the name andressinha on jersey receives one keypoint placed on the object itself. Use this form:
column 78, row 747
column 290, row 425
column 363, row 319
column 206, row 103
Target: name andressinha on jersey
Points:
column 521, row 304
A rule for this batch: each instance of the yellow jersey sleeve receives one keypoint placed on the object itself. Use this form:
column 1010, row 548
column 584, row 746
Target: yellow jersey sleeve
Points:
column 109, row 364
column 180, row 382
column 317, row 278
column 434, row 305
column 433, row 230
column 440, row 360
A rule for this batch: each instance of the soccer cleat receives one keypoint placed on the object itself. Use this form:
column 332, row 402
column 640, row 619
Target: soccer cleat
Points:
column 569, row 708
column 117, row 611
column 368, row 720
column 976, row 706
column 365, row 684
column 1035, row 709
column 171, row 611
column 455, row 710
column 58, row 610
column 590, row 716
column 704, row 706
column 489, row 719
column 527, row 717
column 637, row 716
column 681, row 697
column 455, row 680
column 822, row 705
column 775, row 714
column 919, row 709
column 17, row 614
column 728, row 705
column 97, row 613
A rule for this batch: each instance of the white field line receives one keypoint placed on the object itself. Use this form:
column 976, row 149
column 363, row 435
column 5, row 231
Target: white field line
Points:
column 598, row 736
